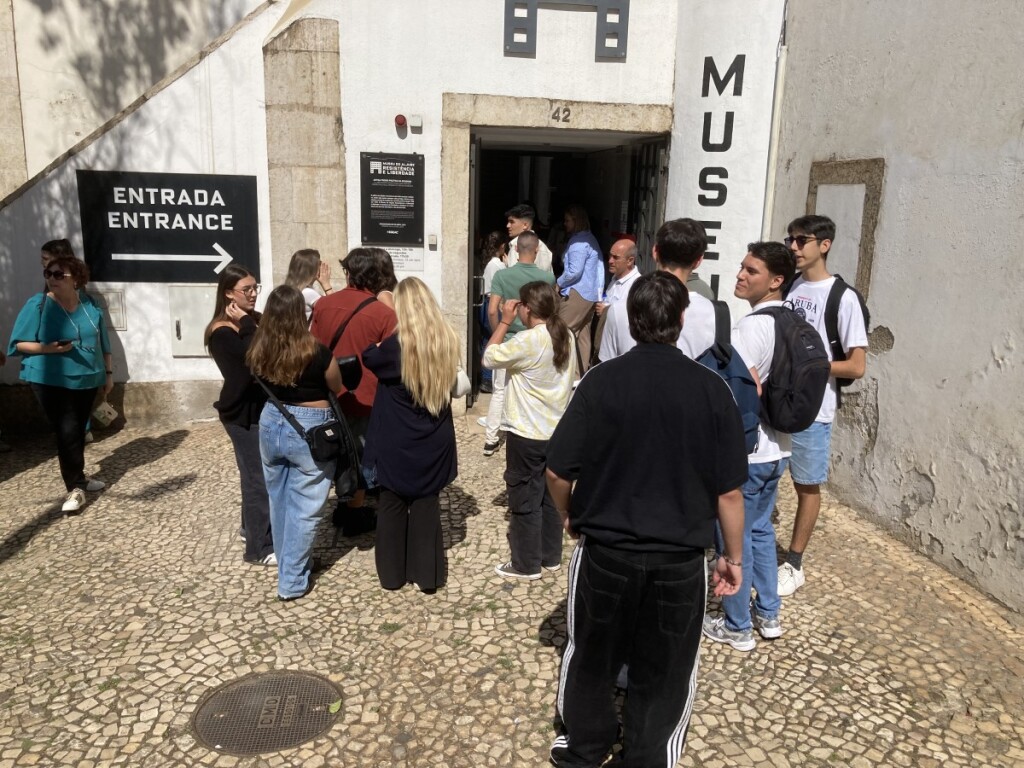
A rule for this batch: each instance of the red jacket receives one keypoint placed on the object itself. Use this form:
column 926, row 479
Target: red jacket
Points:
column 374, row 323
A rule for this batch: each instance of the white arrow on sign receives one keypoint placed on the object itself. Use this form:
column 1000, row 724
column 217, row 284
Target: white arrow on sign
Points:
column 223, row 259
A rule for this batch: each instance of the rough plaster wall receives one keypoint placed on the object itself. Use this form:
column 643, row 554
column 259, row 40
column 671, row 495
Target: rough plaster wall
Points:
column 13, row 171
column 305, row 146
column 929, row 444
column 83, row 61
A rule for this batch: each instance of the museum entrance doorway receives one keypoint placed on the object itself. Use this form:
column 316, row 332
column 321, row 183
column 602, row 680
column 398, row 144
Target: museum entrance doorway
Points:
column 619, row 178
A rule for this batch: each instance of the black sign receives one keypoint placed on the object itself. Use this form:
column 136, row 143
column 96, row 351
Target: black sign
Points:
column 167, row 227
column 392, row 198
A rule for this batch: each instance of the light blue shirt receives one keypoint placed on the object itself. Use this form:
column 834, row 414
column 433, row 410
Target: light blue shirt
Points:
column 42, row 319
column 584, row 269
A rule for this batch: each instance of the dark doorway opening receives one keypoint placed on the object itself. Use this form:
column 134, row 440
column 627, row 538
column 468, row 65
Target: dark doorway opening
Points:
column 619, row 178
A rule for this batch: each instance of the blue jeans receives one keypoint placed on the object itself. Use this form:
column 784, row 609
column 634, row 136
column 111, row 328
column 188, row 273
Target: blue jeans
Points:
column 298, row 487
column 760, row 564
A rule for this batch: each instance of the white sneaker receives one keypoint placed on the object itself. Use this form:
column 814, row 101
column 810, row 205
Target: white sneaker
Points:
column 74, row 501
column 482, row 421
column 790, row 579
column 95, row 485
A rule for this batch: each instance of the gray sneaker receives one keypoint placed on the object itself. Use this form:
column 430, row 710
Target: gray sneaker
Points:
column 715, row 629
column 769, row 629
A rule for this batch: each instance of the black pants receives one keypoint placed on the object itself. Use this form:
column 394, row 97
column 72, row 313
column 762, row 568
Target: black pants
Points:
column 409, row 544
column 640, row 609
column 255, row 504
column 535, row 530
column 67, row 410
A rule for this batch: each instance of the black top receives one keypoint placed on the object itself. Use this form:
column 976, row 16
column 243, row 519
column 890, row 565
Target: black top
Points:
column 311, row 384
column 412, row 452
column 241, row 398
column 652, row 439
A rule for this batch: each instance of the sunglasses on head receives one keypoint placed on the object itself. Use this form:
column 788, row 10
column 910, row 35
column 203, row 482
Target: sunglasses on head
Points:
column 56, row 274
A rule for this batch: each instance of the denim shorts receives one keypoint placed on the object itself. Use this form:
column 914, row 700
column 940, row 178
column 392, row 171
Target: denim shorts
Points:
column 811, row 449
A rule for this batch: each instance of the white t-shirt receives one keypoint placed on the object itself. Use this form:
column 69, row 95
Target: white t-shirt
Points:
column 698, row 327
column 697, row 336
column 618, row 288
column 493, row 266
column 536, row 393
column 543, row 254
column 311, row 296
column 754, row 338
column 808, row 301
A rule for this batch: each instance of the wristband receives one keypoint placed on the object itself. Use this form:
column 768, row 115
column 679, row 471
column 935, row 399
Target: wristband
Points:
column 506, row 323
column 732, row 562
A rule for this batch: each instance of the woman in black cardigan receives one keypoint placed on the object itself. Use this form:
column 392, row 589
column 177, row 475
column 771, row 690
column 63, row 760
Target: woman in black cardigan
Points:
column 410, row 441
column 241, row 400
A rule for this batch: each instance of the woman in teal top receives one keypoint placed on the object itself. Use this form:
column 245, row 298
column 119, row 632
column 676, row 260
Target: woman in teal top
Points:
column 65, row 358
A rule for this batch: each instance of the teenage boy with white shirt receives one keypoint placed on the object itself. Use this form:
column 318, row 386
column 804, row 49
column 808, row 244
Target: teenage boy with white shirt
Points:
column 810, row 239
column 765, row 269
column 678, row 249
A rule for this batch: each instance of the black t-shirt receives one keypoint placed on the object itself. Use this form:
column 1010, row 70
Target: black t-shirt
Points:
column 311, row 384
column 652, row 439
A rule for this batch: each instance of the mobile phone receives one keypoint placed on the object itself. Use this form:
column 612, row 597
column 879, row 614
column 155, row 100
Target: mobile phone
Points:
column 62, row 342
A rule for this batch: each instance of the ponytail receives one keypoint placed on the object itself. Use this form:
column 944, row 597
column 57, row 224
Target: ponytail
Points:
column 542, row 301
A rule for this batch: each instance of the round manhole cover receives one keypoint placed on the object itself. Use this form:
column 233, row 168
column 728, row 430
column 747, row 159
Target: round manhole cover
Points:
column 266, row 712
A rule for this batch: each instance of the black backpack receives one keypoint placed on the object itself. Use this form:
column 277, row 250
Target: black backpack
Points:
column 835, row 295
column 722, row 358
column 791, row 396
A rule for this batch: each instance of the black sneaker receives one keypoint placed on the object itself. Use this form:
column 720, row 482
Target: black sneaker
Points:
column 491, row 448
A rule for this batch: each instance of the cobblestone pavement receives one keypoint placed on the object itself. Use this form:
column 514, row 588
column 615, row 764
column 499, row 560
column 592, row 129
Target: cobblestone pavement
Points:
column 114, row 623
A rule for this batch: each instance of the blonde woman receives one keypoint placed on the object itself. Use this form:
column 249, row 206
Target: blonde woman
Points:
column 410, row 441
column 299, row 371
column 305, row 269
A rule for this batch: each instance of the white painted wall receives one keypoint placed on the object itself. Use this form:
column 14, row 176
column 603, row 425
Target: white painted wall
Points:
column 937, row 94
column 211, row 121
column 80, row 62
column 396, row 57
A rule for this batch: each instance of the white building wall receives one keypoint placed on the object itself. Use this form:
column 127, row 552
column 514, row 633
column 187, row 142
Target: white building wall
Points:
column 210, row 121
column 396, row 57
column 82, row 61
column 932, row 448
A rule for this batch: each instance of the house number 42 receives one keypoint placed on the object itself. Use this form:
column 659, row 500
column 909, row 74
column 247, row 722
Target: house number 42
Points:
column 561, row 115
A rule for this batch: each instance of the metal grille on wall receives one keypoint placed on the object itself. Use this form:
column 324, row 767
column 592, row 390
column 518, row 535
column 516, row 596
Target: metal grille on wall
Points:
column 647, row 203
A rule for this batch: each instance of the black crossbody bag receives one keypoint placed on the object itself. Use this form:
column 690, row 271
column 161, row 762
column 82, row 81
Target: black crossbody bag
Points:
column 324, row 440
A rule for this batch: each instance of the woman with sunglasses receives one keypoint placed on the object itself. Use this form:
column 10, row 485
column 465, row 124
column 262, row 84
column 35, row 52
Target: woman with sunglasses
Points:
column 241, row 400
column 65, row 354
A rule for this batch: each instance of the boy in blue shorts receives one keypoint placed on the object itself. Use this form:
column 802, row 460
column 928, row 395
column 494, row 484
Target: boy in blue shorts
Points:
column 810, row 239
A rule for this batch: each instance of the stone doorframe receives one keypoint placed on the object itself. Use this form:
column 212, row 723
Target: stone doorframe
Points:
column 460, row 112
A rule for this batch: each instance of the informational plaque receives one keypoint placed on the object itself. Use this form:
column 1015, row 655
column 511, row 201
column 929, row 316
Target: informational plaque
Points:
column 392, row 199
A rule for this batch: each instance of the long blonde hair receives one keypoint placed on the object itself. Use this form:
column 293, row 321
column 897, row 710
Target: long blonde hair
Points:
column 282, row 346
column 430, row 346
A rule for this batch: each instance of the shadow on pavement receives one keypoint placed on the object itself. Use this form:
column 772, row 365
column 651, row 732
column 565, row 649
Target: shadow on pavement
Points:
column 123, row 459
column 137, row 453
column 552, row 631
column 456, row 507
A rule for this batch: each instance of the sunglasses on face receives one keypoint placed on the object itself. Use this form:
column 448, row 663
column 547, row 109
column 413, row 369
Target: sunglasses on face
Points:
column 800, row 240
column 55, row 274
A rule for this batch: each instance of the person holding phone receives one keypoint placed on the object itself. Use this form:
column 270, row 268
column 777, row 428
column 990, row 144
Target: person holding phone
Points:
column 241, row 400
column 65, row 359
